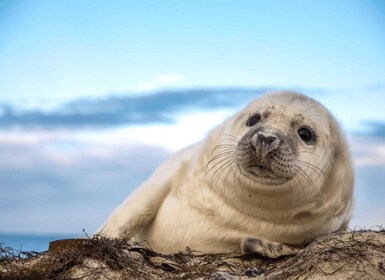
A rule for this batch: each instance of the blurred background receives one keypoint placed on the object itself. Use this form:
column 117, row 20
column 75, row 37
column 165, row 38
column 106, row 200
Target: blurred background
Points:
column 95, row 94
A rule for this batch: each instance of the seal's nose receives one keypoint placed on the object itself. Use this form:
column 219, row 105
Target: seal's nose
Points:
column 267, row 139
column 265, row 142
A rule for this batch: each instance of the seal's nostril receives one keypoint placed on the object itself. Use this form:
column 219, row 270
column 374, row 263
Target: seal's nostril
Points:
column 270, row 139
column 260, row 138
column 266, row 138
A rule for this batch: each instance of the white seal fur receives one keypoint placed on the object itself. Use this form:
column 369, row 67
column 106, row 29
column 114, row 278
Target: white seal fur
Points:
column 267, row 179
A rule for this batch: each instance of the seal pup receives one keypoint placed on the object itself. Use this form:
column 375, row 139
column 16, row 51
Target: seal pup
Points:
column 267, row 179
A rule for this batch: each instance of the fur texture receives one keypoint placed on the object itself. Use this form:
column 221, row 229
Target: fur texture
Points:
column 253, row 185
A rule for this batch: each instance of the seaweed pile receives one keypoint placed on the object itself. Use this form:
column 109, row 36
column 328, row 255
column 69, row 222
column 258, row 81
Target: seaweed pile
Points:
column 343, row 255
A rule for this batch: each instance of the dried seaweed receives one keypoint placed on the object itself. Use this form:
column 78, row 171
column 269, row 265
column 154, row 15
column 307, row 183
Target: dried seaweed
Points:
column 351, row 254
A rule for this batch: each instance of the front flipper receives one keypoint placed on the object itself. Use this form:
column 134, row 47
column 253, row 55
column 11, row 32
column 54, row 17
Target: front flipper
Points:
column 136, row 211
column 139, row 209
column 263, row 247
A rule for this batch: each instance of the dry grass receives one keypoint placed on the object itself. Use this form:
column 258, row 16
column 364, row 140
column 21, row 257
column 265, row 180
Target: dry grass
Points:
column 344, row 255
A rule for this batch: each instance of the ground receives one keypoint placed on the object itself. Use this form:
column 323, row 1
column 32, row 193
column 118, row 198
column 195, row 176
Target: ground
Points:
column 343, row 255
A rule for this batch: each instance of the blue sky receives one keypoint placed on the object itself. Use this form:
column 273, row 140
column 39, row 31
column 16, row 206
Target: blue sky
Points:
column 87, row 87
column 55, row 50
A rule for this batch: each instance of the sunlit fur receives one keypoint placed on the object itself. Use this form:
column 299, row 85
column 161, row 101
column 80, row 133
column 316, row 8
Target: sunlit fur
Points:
column 208, row 198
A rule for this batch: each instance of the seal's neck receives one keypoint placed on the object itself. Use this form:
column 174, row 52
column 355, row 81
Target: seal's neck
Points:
column 282, row 203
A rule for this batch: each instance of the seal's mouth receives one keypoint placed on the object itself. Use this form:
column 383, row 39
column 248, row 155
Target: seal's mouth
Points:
column 261, row 170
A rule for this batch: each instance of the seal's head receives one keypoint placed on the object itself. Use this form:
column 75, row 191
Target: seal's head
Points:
column 286, row 135
column 284, row 140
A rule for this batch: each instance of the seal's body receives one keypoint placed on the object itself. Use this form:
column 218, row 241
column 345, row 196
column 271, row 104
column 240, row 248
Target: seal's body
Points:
column 270, row 177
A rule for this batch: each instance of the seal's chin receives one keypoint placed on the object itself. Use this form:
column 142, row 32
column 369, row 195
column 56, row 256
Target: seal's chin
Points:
column 261, row 171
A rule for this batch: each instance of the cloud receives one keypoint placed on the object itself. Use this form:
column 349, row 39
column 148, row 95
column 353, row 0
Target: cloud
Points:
column 376, row 87
column 376, row 129
column 159, row 107
column 367, row 150
column 368, row 145
column 60, row 184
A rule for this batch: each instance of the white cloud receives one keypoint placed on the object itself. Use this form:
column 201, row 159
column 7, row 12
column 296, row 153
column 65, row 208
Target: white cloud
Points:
column 368, row 151
column 189, row 128
column 354, row 108
column 55, row 182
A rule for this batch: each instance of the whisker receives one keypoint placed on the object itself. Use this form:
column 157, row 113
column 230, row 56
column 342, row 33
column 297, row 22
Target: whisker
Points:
column 217, row 174
column 224, row 168
column 231, row 137
column 311, row 166
column 271, row 102
column 307, row 178
column 231, row 166
column 225, row 146
column 221, row 157
column 307, row 109
column 224, row 152
column 221, row 163
column 313, row 115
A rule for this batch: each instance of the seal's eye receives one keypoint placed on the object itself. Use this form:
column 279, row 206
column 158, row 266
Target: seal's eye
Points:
column 253, row 120
column 306, row 134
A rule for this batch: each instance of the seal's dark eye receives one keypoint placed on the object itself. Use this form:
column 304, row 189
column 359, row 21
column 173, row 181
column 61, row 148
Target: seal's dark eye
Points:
column 306, row 134
column 253, row 120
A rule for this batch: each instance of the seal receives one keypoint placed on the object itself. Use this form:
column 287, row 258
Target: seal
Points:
column 265, row 181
